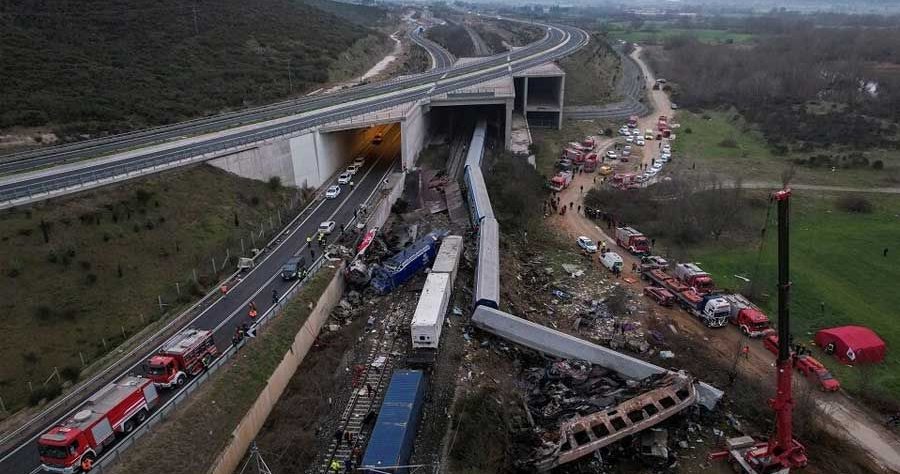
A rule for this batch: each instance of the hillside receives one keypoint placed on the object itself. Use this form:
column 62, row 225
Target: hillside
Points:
column 126, row 64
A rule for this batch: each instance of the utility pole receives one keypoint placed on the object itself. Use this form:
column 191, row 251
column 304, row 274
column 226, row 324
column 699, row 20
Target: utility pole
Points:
column 256, row 457
column 196, row 28
column 290, row 77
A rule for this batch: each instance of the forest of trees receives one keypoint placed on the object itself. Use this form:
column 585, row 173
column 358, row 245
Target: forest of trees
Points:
column 116, row 65
column 809, row 86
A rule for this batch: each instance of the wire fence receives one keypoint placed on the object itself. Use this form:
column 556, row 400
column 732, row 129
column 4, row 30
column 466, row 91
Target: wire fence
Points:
column 209, row 271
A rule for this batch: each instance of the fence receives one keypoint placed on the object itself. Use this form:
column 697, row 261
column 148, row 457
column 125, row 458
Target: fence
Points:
column 163, row 412
column 203, row 277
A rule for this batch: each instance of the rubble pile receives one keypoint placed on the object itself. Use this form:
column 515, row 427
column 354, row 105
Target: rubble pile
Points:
column 600, row 310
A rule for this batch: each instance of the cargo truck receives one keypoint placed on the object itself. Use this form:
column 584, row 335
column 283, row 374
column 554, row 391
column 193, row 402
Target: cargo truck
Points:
column 630, row 239
column 75, row 444
column 391, row 443
column 185, row 355
column 571, row 154
column 748, row 317
column 401, row 267
column 713, row 310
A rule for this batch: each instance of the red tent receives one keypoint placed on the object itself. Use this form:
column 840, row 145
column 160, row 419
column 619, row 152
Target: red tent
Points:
column 852, row 344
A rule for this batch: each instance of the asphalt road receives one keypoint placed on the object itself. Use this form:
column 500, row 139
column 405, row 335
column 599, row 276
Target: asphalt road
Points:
column 226, row 314
column 39, row 158
column 440, row 57
column 567, row 39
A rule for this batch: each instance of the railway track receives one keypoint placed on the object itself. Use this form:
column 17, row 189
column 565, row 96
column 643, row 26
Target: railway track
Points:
column 386, row 352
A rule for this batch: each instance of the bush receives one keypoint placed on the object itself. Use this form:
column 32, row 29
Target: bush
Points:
column 688, row 130
column 44, row 392
column 855, row 204
column 729, row 142
column 275, row 183
column 70, row 373
column 91, row 278
column 878, row 165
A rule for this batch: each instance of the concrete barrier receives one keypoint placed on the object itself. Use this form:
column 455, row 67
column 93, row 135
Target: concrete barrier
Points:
column 246, row 431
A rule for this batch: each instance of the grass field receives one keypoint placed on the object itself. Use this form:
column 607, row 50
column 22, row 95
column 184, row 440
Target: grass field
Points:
column 107, row 256
column 724, row 143
column 591, row 74
column 659, row 35
column 836, row 259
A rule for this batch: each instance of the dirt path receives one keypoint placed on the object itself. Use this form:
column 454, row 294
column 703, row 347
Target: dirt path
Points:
column 842, row 415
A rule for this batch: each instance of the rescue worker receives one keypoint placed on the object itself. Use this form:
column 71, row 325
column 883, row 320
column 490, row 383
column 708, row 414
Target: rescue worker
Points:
column 224, row 290
column 351, row 185
column 745, row 351
column 238, row 336
column 348, row 465
column 335, row 466
column 308, row 239
column 253, row 312
column 274, row 296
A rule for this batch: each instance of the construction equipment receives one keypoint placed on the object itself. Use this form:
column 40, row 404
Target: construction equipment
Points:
column 781, row 452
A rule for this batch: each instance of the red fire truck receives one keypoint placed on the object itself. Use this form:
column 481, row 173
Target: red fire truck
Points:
column 76, row 443
column 185, row 355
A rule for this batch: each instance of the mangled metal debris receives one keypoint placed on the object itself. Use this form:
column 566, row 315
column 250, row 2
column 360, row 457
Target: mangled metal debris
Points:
column 584, row 435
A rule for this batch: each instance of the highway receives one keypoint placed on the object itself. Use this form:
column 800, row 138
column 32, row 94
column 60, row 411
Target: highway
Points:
column 560, row 41
column 440, row 57
column 20, row 455
column 226, row 314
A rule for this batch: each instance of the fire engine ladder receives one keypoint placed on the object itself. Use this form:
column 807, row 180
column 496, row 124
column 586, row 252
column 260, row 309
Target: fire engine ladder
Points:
column 382, row 352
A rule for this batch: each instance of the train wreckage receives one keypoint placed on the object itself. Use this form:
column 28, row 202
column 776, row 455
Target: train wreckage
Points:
column 594, row 396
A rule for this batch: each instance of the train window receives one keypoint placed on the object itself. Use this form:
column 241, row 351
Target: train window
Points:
column 421, row 338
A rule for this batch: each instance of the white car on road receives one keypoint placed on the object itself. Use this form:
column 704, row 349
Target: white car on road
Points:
column 611, row 155
column 333, row 192
column 327, row 227
column 345, row 177
column 358, row 162
column 587, row 244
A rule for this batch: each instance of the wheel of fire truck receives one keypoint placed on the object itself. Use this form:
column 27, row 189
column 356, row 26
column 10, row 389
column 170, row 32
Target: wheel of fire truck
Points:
column 142, row 416
column 87, row 462
column 128, row 426
column 180, row 381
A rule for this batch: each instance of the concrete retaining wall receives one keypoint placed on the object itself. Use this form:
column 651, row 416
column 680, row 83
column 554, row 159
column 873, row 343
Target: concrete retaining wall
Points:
column 229, row 460
column 261, row 162
column 413, row 132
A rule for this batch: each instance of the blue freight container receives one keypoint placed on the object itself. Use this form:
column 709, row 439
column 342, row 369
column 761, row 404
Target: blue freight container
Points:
column 394, row 271
column 392, row 438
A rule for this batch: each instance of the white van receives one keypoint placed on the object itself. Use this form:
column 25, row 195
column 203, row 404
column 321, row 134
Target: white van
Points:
column 612, row 261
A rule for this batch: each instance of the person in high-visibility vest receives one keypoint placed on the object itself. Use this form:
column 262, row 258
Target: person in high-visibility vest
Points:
column 252, row 311
column 335, row 466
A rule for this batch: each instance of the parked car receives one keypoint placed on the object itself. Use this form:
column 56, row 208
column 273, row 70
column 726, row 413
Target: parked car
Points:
column 587, row 244
column 333, row 192
column 327, row 227
column 626, row 152
column 674, row 106
column 606, row 170
column 657, row 166
column 665, row 157
column 639, row 142
column 345, row 177
column 611, row 155
column 624, row 131
column 629, row 140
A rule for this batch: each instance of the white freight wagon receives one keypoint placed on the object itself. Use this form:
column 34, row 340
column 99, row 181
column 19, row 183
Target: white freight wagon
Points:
column 429, row 316
column 447, row 259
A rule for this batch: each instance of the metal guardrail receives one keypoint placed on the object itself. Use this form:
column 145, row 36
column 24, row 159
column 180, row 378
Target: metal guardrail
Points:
column 194, row 153
column 162, row 413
